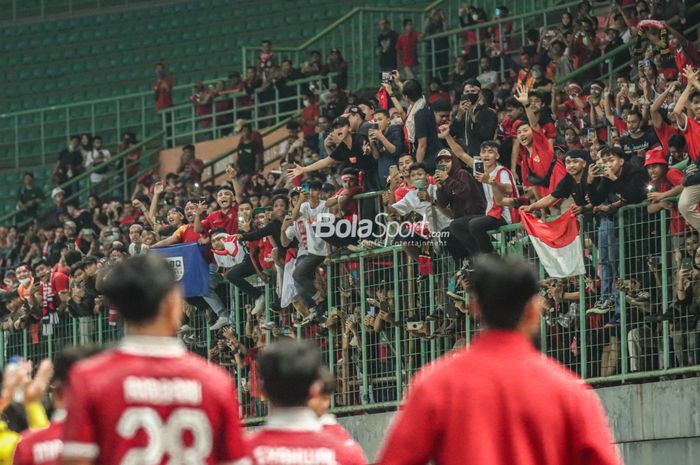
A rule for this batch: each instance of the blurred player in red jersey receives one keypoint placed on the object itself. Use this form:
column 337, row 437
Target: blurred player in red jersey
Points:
column 321, row 404
column 44, row 446
column 500, row 402
column 291, row 373
column 149, row 401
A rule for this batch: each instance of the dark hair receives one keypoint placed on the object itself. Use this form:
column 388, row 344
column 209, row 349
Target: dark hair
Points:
column 418, row 166
column 471, row 82
column 188, row 147
column 677, row 141
column 694, row 93
column 27, row 173
column 72, row 257
column 490, row 144
column 635, row 111
column 607, row 150
column 382, row 112
column 441, row 105
column 293, row 125
column 407, row 21
column 510, row 102
column 89, row 260
column 39, row 263
column 351, row 171
column 288, row 368
column 267, row 41
column 281, row 197
column 137, row 286
column 316, row 185
column 487, row 95
column 66, row 358
column 492, row 274
column 412, row 89
column 94, row 138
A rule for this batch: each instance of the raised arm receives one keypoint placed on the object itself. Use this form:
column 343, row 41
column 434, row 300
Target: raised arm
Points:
column 522, row 97
column 692, row 76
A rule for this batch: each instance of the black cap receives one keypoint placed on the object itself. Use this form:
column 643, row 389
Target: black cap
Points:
column 340, row 122
column 355, row 110
column 441, row 105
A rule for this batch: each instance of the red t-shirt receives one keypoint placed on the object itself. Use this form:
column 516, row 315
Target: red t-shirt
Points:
column 150, row 401
column 351, row 208
column 406, row 45
column 307, row 114
column 536, row 412
column 674, row 177
column 218, row 219
column 332, row 428
column 441, row 95
column 664, row 133
column 40, row 446
column 539, row 161
column 164, row 92
column 692, row 137
column 286, row 439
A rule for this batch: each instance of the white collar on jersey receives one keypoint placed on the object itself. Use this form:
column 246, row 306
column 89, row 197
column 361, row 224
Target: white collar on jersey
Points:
column 328, row 419
column 292, row 419
column 58, row 415
column 152, row 346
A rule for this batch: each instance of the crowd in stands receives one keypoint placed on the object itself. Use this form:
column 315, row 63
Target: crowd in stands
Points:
column 456, row 155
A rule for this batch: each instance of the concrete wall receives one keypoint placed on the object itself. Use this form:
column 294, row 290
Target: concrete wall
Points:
column 653, row 423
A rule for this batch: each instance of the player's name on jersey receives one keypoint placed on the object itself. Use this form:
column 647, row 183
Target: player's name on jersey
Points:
column 265, row 455
column 162, row 391
column 47, row 451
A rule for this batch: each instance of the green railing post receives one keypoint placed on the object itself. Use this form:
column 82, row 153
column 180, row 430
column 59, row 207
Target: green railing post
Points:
column 16, row 142
column 25, row 344
column 331, row 333
column 42, row 128
column 364, row 397
column 74, row 330
column 92, row 118
column 623, row 304
column 3, row 348
column 583, row 343
column 397, row 330
column 664, row 289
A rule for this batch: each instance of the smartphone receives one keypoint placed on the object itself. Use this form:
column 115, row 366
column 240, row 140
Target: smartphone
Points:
column 414, row 325
column 374, row 126
column 307, row 189
column 687, row 263
column 276, row 172
column 471, row 98
column 393, row 170
column 440, row 167
column 284, row 331
column 372, row 311
column 613, row 133
column 478, row 165
column 387, row 77
column 598, row 169
column 632, row 88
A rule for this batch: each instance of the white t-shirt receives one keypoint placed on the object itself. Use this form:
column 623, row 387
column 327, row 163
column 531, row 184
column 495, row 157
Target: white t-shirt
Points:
column 315, row 245
column 432, row 216
column 488, row 79
column 298, row 231
column 94, row 157
column 504, row 177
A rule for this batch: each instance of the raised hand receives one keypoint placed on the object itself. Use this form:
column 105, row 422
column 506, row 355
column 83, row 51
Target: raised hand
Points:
column 298, row 170
column 522, row 95
column 158, row 188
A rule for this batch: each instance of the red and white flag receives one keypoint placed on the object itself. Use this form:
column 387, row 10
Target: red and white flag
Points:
column 557, row 243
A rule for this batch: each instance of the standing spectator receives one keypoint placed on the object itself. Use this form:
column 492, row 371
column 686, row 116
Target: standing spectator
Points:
column 69, row 164
column 322, row 130
column 131, row 159
column 639, row 138
column 558, row 420
column 96, row 157
column 163, row 88
column 202, row 100
column 420, row 130
column 309, row 118
column 386, row 46
column 407, row 48
column 474, row 122
column 488, row 77
column 387, row 143
column 315, row 66
column 438, row 49
column 460, row 74
column 436, row 91
column 28, row 198
column 338, row 65
column 190, row 169
column 249, row 156
column 266, row 60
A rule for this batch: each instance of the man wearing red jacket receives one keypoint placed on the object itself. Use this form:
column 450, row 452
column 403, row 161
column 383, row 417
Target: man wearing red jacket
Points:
column 500, row 402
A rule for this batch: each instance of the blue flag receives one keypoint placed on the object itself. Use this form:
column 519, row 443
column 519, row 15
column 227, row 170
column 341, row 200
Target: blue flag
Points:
column 189, row 266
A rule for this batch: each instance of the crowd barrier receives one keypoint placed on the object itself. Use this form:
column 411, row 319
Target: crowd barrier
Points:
column 426, row 316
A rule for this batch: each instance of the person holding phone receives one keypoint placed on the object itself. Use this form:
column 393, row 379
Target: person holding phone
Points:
column 474, row 122
column 386, row 140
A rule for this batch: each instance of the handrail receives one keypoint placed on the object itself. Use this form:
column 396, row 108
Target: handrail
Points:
column 496, row 22
column 86, row 174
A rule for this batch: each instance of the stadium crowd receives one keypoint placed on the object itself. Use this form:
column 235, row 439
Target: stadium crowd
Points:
column 454, row 155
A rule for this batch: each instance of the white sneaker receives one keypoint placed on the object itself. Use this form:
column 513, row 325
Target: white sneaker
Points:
column 220, row 323
column 259, row 305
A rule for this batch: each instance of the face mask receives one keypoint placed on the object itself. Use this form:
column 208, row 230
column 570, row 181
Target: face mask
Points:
column 306, row 103
column 160, row 73
column 475, row 17
column 25, row 282
column 536, row 74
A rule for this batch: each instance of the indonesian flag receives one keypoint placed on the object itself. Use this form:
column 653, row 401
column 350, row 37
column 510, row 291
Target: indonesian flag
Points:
column 557, row 244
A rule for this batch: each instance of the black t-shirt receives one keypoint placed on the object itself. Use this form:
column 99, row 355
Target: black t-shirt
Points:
column 632, row 146
column 247, row 155
column 568, row 187
column 70, row 160
column 352, row 157
column 386, row 41
column 426, row 127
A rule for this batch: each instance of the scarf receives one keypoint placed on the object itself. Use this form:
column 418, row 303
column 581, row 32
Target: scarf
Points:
column 410, row 127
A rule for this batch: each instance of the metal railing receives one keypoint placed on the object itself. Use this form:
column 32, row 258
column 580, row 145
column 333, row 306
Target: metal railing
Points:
column 270, row 105
column 120, row 178
column 352, row 32
column 386, row 319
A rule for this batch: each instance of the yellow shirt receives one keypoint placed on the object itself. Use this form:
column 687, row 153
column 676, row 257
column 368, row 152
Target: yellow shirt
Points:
column 36, row 419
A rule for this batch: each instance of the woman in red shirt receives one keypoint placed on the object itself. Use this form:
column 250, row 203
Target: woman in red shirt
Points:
column 407, row 46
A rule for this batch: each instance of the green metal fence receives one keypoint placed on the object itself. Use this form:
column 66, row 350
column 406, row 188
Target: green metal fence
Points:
column 385, row 319
column 14, row 10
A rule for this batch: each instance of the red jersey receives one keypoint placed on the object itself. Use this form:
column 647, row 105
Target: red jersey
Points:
column 466, row 409
column 538, row 160
column 673, row 178
column 664, row 133
column 218, row 219
column 309, row 113
column 691, row 131
column 164, row 92
column 41, row 446
column 150, row 401
column 406, row 45
column 295, row 435
column 332, row 428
